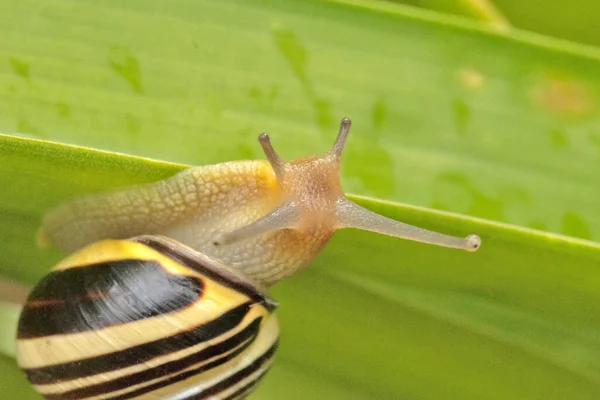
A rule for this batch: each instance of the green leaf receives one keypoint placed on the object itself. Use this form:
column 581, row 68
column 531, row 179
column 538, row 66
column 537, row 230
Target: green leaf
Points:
column 482, row 10
column 576, row 21
column 446, row 115
column 377, row 317
column 13, row 383
column 9, row 314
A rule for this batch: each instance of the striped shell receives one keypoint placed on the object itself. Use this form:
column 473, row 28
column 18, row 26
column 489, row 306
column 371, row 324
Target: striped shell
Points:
column 145, row 318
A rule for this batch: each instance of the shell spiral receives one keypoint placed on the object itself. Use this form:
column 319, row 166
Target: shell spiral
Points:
column 145, row 318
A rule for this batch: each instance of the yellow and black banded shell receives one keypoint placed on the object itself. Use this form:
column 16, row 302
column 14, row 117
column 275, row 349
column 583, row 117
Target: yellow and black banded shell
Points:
column 145, row 318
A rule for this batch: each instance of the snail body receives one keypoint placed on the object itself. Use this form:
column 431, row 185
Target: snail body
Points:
column 145, row 318
column 195, row 253
column 266, row 218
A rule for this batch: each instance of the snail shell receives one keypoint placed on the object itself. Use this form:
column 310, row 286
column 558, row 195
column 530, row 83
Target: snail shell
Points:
column 146, row 318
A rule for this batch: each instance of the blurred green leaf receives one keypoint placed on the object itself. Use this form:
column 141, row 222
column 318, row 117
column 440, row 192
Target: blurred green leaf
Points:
column 446, row 115
column 576, row 20
column 12, row 383
column 482, row 10
column 9, row 315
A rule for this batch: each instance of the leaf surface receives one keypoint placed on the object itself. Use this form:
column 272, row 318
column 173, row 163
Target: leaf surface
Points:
column 375, row 317
column 446, row 115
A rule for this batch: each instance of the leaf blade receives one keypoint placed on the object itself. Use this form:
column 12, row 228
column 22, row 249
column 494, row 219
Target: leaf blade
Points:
column 434, row 123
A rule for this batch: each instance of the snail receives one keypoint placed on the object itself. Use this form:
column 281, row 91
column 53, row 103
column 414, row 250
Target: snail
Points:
column 164, row 295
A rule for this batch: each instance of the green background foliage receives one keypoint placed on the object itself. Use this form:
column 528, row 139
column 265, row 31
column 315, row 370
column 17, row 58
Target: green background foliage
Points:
column 576, row 22
column 448, row 113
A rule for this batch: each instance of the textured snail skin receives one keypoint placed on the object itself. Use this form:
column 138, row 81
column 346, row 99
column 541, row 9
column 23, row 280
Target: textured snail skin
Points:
column 147, row 318
column 193, row 207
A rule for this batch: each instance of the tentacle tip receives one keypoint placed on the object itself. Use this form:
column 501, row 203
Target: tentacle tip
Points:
column 263, row 137
column 472, row 243
column 340, row 140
